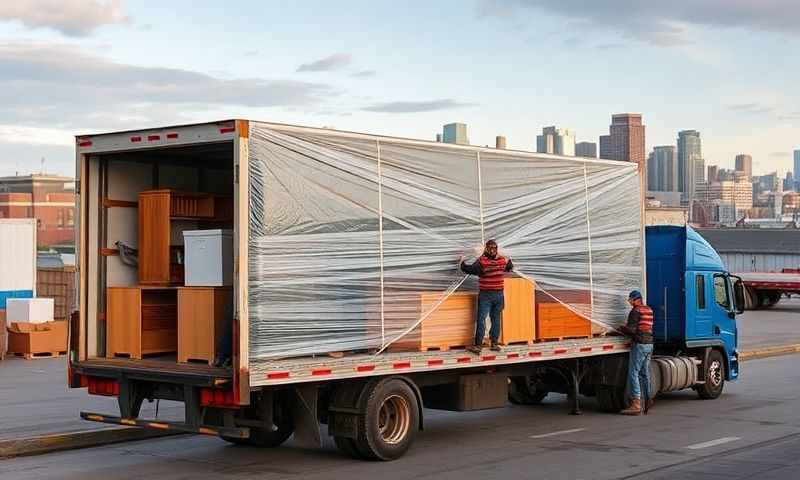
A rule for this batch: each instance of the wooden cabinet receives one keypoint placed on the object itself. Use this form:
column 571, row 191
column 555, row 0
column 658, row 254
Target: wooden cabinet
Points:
column 160, row 257
column 518, row 325
column 141, row 321
column 203, row 316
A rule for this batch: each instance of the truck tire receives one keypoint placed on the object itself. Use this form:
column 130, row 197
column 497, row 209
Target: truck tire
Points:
column 390, row 420
column 610, row 398
column 281, row 418
column 521, row 391
column 714, row 374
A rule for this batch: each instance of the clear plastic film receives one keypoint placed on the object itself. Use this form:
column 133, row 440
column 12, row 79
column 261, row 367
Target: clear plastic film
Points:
column 348, row 232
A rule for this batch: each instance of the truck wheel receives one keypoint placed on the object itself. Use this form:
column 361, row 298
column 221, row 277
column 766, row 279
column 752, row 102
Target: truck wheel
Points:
column 522, row 391
column 610, row 398
column 281, row 418
column 390, row 420
column 714, row 373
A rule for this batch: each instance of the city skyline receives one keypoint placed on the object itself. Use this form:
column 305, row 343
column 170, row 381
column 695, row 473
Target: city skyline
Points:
column 325, row 74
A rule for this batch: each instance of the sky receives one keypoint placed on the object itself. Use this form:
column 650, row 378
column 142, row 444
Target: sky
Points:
column 728, row 68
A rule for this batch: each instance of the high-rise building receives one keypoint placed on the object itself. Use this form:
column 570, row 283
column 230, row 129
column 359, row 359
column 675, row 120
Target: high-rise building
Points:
column 691, row 167
column 559, row 141
column 788, row 182
column 744, row 163
column 712, row 173
column 586, row 149
column 662, row 169
column 500, row 142
column 455, row 133
column 797, row 169
column 625, row 140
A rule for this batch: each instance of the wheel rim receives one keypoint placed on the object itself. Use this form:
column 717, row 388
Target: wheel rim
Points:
column 715, row 373
column 394, row 419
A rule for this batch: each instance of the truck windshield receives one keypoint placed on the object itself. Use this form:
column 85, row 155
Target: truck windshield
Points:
column 721, row 292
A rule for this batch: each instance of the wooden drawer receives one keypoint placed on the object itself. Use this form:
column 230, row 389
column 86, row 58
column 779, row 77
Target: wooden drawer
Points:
column 452, row 324
column 555, row 321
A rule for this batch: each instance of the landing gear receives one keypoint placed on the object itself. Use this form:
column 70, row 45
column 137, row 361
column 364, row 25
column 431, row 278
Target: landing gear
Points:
column 525, row 390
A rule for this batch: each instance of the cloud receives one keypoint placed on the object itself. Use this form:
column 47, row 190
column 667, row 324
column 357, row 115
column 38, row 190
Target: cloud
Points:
column 752, row 108
column 662, row 24
column 364, row 73
column 413, row 107
column 61, row 86
column 75, row 18
column 333, row 62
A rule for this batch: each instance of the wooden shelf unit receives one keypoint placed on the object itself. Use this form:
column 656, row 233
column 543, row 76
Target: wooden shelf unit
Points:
column 141, row 321
column 157, row 210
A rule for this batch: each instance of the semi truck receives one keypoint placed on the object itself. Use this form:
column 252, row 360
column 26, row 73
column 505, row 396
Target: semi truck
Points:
column 373, row 401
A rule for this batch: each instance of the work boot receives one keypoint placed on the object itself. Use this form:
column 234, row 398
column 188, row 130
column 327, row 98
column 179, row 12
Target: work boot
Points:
column 496, row 347
column 476, row 349
column 635, row 408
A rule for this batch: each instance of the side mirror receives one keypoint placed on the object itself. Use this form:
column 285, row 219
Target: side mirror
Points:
column 738, row 294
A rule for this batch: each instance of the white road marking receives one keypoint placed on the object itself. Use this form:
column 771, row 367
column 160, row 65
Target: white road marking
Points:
column 560, row 432
column 712, row 443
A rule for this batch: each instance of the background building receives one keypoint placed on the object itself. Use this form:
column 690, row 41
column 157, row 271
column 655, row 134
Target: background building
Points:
column 455, row 133
column 740, row 193
column 662, row 169
column 559, row 141
column 586, row 149
column 744, row 163
column 691, row 167
column 755, row 250
column 797, row 170
column 49, row 199
column 712, row 173
column 625, row 140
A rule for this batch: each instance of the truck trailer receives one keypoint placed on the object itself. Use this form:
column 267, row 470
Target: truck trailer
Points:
column 335, row 235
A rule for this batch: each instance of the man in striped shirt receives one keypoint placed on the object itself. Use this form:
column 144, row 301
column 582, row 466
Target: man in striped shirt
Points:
column 640, row 329
column 490, row 269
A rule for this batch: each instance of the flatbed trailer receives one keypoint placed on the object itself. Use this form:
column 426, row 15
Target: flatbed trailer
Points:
column 765, row 289
column 371, row 400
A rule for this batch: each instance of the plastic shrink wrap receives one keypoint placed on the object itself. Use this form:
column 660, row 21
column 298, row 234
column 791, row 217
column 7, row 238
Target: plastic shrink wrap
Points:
column 348, row 231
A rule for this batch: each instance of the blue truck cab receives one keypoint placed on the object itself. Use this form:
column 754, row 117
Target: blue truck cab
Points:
column 695, row 302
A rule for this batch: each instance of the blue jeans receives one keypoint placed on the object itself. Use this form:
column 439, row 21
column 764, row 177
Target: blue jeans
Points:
column 489, row 303
column 639, row 369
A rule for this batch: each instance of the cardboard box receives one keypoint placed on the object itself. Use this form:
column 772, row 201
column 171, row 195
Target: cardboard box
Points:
column 29, row 310
column 35, row 339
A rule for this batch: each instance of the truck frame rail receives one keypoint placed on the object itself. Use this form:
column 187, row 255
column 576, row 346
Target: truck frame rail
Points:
column 324, row 368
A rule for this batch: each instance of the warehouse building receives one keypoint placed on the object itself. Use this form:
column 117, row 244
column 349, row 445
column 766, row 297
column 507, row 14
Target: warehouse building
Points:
column 755, row 250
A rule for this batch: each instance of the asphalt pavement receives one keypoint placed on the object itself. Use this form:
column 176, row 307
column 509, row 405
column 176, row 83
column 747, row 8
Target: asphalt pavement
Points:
column 779, row 325
column 752, row 431
column 35, row 400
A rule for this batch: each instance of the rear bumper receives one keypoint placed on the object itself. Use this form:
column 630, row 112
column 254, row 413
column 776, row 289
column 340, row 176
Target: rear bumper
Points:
column 230, row 432
column 152, row 372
